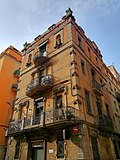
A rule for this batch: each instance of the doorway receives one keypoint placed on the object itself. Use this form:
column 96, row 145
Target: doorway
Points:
column 38, row 115
column 37, row 153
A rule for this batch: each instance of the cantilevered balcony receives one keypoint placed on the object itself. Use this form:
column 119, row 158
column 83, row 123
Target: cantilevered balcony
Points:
column 37, row 85
column 96, row 88
column 105, row 122
column 14, row 87
column 34, row 121
column 26, row 123
column 49, row 118
column 40, row 58
column 15, row 126
column 118, row 96
column 61, row 116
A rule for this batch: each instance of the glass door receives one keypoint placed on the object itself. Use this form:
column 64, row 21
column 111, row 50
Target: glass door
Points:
column 38, row 117
column 38, row 153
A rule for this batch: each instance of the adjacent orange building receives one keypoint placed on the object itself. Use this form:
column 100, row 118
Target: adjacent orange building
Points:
column 10, row 61
column 63, row 109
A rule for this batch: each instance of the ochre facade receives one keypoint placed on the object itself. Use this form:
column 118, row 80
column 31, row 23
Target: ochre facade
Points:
column 63, row 109
column 10, row 61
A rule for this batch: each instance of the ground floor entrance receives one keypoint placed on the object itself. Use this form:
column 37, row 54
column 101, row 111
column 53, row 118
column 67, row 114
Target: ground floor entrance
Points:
column 37, row 153
column 38, row 150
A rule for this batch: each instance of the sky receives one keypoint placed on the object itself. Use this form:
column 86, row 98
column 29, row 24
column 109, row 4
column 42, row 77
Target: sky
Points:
column 23, row 20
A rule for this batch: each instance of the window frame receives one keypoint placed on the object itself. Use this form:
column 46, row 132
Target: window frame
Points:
column 88, row 103
column 80, row 43
column 83, row 67
column 62, row 154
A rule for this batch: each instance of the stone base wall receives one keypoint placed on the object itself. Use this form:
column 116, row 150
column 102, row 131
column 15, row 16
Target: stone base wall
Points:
column 2, row 152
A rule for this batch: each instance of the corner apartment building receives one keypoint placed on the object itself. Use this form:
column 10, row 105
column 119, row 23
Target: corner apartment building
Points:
column 60, row 112
column 10, row 61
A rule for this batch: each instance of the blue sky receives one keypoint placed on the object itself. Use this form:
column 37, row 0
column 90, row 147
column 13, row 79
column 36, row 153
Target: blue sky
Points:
column 23, row 20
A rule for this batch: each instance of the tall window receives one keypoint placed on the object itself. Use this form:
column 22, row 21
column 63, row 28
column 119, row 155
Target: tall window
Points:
column 89, row 51
column 93, row 74
column 60, row 148
column 59, row 102
column 107, row 110
column 29, row 60
column 110, row 86
column 115, row 106
column 38, row 111
column 80, row 42
column 17, row 148
column 43, row 50
column 97, row 63
column 83, row 67
column 58, row 41
column 95, row 149
column 87, row 99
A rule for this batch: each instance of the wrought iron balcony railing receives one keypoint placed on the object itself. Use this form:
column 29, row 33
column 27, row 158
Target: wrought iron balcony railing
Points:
column 34, row 120
column 105, row 122
column 37, row 85
column 96, row 87
column 40, row 58
column 67, row 113
column 49, row 117
column 16, row 126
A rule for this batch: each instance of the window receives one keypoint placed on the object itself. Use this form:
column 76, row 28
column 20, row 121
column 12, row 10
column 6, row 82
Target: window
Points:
column 107, row 110
column 38, row 111
column 58, row 41
column 115, row 106
column 87, row 99
column 17, row 148
column 93, row 74
column 95, row 149
column 110, row 86
column 83, row 67
column 59, row 113
column 43, row 50
column 89, row 51
column 29, row 60
column 80, row 42
column 116, row 147
column 60, row 148
column 101, row 82
column 97, row 64
column 59, row 102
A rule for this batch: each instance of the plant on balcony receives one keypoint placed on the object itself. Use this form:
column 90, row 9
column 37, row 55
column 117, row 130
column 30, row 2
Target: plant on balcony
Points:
column 59, row 115
column 70, row 115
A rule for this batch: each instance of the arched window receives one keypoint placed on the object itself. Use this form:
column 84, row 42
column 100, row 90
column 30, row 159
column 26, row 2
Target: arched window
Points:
column 58, row 41
column 29, row 60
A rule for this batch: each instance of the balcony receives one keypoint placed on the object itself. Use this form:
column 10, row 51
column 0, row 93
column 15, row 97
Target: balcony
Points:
column 36, row 85
column 49, row 118
column 16, row 126
column 105, row 123
column 118, row 96
column 40, row 58
column 14, row 87
column 34, row 121
column 61, row 116
column 97, row 88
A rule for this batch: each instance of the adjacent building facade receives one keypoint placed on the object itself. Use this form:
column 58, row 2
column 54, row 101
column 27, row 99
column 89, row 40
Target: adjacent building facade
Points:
column 63, row 109
column 114, row 91
column 10, row 61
